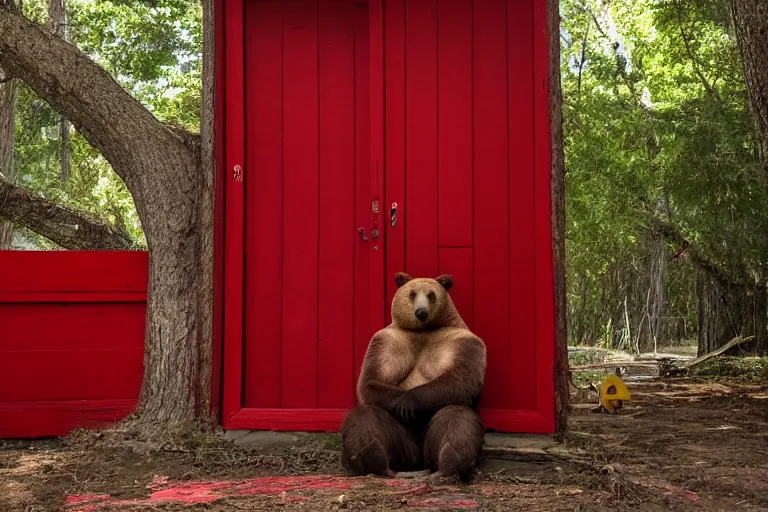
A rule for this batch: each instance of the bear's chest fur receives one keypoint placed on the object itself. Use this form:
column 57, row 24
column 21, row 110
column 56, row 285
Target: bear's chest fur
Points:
column 415, row 358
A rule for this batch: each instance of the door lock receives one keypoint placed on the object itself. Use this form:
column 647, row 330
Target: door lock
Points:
column 393, row 215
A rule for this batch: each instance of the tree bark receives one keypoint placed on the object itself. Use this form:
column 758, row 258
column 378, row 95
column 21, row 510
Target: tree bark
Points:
column 728, row 310
column 8, row 96
column 750, row 19
column 57, row 19
column 171, row 185
column 65, row 227
column 562, row 368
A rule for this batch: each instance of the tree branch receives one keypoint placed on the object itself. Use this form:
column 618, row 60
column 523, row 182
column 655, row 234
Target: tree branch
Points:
column 672, row 234
column 108, row 116
column 694, row 61
column 67, row 228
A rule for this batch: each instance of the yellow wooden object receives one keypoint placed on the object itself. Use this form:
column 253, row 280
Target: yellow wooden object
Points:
column 613, row 392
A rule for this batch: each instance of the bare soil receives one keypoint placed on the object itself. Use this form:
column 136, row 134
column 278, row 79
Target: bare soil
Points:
column 678, row 445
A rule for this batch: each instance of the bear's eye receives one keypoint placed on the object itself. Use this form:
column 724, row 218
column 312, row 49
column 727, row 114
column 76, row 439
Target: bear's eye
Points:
column 413, row 294
column 431, row 296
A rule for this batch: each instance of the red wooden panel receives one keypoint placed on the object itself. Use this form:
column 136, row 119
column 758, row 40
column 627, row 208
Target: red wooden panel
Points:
column 363, row 185
column 300, row 204
column 264, row 204
column 301, row 420
column 491, row 191
column 421, row 132
column 522, row 339
column 458, row 261
column 510, row 420
column 42, row 272
column 219, row 198
column 48, row 419
column 454, row 65
column 27, row 327
column 394, row 131
column 29, row 376
column 330, row 420
column 336, row 221
column 369, row 20
column 545, row 301
column 234, row 250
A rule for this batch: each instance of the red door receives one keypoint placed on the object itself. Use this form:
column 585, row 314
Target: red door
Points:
column 308, row 188
column 341, row 111
column 460, row 173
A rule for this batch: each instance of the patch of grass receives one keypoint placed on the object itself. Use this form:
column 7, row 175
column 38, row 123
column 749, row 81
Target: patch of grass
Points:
column 587, row 356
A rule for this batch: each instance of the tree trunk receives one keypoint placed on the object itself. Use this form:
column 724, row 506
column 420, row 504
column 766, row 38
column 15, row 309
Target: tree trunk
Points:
column 750, row 19
column 57, row 19
column 65, row 227
column 728, row 310
column 7, row 146
column 562, row 368
column 8, row 96
column 170, row 178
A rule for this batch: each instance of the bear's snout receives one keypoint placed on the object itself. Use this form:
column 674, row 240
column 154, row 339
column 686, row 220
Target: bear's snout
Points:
column 422, row 314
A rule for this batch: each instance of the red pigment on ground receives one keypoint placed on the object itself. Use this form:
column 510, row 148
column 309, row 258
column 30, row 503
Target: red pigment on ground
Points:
column 207, row 492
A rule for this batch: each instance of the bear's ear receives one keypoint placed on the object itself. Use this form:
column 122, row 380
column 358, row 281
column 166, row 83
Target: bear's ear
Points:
column 446, row 280
column 401, row 278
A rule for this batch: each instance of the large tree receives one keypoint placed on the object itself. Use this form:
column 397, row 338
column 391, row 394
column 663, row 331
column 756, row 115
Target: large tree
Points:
column 169, row 173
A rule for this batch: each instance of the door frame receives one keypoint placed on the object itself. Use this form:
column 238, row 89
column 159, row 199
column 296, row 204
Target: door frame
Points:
column 234, row 415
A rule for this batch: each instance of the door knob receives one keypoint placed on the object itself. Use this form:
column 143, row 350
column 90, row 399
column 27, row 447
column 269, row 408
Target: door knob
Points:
column 363, row 236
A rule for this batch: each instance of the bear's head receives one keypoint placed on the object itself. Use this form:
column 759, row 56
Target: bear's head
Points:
column 423, row 303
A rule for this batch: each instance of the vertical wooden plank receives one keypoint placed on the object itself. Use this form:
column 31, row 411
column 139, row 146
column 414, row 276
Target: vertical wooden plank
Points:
column 370, row 20
column 421, row 137
column 394, row 64
column 458, row 262
column 454, row 65
column 545, row 300
column 337, row 206
column 264, row 208
column 233, row 252
column 363, row 187
column 300, row 205
column 522, row 337
column 491, row 191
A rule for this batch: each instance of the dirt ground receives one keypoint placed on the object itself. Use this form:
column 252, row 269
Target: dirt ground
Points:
column 680, row 444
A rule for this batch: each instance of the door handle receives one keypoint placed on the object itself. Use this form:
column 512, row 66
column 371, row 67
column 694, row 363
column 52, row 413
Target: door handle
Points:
column 364, row 237
column 393, row 215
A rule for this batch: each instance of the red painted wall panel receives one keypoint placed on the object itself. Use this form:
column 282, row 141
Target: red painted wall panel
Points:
column 71, row 339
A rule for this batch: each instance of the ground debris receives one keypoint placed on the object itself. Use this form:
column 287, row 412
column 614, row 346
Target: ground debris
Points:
column 696, row 445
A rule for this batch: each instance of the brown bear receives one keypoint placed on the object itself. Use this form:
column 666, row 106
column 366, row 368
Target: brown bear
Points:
column 418, row 391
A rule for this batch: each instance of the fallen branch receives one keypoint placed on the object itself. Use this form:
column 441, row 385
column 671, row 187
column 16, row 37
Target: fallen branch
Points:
column 67, row 228
column 709, row 355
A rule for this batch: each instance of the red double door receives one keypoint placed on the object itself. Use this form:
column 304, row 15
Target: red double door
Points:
column 377, row 139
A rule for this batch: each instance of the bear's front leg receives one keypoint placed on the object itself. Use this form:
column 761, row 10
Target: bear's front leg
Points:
column 374, row 442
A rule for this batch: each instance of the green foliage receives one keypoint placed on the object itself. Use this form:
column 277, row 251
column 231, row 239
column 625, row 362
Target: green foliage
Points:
column 655, row 128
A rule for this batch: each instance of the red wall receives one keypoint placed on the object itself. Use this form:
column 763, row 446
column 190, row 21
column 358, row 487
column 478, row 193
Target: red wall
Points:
column 71, row 339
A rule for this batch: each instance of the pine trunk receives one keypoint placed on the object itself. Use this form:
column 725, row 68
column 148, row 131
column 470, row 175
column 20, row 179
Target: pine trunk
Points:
column 750, row 18
column 57, row 18
column 7, row 145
